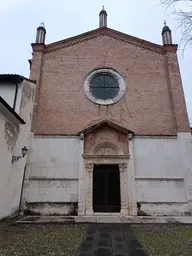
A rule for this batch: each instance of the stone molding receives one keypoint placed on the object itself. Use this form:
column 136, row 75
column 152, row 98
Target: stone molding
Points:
column 117, row 157
column 130, row 136
column 104, row 145
column 89, row 188
column 89, row 167
column 123, row 167
column 123, row 184
column 160, row 178
column 117, row 35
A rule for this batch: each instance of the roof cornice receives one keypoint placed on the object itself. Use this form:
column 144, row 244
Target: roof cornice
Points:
column 38, row 47
column 102, row 123
column 8, row 111
column 14, row 78
column 119, row 36
column 170, row 48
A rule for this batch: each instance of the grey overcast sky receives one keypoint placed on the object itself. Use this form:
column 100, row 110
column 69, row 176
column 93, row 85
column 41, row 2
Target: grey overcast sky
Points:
column 144, row 19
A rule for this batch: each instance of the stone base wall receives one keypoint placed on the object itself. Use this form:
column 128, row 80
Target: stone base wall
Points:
column 166, row 209
column 51, row 208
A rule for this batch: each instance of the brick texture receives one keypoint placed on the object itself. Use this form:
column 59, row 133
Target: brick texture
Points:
column 154, row 102
column 108, row 134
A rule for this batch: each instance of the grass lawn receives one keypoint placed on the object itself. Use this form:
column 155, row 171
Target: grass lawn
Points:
column 40, row 239
column 165, row 240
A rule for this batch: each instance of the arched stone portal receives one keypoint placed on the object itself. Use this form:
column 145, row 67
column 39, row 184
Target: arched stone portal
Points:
column 107, row 144
column 107, row 153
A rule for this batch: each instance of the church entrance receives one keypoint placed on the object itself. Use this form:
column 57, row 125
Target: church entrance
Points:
column 106, row 188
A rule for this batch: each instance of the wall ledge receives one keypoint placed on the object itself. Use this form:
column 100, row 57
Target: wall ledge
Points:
column 153, row 136
column 160, row 178
column 54, row 179
column 164, row 202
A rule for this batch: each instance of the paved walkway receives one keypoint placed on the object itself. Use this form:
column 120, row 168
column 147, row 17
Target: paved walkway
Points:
column 134, row 219
column 110, row 240
column 106, row 219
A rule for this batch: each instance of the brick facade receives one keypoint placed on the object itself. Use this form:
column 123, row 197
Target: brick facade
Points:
column 154, row 102
column 108, row 134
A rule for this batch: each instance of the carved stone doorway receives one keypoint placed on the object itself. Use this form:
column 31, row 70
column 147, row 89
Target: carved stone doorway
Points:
column 106, row 188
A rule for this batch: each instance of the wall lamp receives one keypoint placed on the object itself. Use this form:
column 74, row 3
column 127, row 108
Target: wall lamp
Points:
column 24, row 151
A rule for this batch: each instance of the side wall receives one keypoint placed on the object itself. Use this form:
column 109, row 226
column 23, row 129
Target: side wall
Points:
column 8, row 136
column 13, row 137
column 159, row 175
column 53, row 174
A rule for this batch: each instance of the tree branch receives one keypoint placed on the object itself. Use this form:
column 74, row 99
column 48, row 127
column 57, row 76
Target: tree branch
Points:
column 184, row 18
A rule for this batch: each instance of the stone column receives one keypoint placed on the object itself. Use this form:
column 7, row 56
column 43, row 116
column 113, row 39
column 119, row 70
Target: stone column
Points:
column 123, row 186
column 132, row 202
column 81, row 197
column 89, row 189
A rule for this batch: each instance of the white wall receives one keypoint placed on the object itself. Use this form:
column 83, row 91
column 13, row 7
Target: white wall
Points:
column 185, row 145
column 158, row 170
column 53, row 170
column 12, row 138
column 160, row 190
column 7, row 92
column 53, row 191
column 5, row 167
column 157, row 157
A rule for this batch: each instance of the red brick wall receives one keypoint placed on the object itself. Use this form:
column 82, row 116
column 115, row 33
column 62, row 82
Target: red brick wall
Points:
column 180, row 111
column 106, row 134
column 148, row 107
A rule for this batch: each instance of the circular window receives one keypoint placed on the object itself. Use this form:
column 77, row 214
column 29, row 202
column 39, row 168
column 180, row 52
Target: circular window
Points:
column 104, row 87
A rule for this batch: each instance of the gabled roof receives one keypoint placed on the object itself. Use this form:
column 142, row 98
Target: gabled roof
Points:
column 9, row 111
column 105, row 123
column 13, row 78
column 96, row 33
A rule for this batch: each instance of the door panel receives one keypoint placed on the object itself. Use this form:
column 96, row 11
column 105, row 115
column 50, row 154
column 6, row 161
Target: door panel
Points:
column 106, row 188
column 99, row 181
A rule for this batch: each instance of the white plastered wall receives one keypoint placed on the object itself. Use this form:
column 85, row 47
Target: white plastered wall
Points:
column 5, row 160
column 13, row 137
column 53, row 174
column 160, row 175
column 160, row 166
column 7, row 92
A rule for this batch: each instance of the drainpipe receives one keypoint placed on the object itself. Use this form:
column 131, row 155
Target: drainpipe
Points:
column 15, row 98
column 22, row 189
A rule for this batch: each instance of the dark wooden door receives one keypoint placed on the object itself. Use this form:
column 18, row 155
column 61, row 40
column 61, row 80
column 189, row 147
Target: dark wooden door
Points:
column 106, row 188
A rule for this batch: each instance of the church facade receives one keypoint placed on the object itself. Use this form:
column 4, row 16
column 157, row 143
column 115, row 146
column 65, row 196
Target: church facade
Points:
column 109, row 128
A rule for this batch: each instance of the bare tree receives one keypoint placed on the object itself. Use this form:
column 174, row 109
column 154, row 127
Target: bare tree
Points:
column 183, row 11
